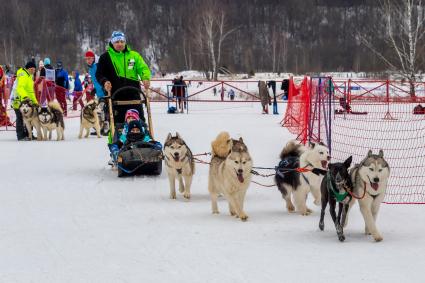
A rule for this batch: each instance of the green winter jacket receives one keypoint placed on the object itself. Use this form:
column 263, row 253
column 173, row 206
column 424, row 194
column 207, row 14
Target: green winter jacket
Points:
column 24, row 88
column 129, row 64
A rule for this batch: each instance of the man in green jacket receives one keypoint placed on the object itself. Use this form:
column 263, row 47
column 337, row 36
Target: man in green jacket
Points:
column 120, row 66
column 24, row 90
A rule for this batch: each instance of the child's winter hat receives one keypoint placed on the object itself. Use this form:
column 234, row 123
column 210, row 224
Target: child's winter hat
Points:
column 46, row 61
column 116, row 36
column 132, row 113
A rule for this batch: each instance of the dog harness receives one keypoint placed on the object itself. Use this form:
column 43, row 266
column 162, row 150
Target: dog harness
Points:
column 338, row 196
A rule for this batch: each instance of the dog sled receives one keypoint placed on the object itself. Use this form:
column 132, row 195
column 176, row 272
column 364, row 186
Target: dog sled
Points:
column 137, row 157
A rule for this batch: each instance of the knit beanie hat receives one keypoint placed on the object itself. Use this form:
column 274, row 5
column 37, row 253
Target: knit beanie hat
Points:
column 30, row 64
column 46, row 61
column 135, row 124
column 132, row 113
column 116, row 36
column 90, row 54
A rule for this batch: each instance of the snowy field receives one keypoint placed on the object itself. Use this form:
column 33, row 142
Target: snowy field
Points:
column 66, row 217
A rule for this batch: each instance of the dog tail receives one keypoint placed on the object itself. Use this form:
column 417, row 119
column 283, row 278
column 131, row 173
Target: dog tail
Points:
column 222, row 145
column 292, row 148
column 54, row 105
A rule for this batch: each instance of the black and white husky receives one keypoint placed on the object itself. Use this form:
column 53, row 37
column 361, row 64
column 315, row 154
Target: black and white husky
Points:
column 299, row 184
column 370, row 179
column 51, row 118
column 336, row 187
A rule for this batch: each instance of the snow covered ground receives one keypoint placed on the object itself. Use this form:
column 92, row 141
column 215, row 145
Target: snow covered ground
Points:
column 66, row 217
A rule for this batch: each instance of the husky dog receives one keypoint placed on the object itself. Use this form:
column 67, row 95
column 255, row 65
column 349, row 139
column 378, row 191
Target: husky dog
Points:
column 51, row 118
column 314, row 158
column 103, row 123
column 89, row 119
column 30, row 117
column 180, row 165
column 370, row 179
column 336, row 187
column 229, row 173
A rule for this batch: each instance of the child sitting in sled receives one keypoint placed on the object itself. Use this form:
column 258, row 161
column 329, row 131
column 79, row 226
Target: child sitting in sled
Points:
column 134, row 130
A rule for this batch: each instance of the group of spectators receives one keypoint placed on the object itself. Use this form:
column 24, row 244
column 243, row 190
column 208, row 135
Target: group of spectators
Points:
column 119, row 66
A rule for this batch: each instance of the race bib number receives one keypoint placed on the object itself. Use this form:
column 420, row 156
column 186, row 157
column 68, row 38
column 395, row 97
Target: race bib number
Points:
column 131, row 63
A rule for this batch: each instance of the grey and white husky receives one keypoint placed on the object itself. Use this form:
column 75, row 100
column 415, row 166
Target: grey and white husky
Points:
column 51, row 118
column 370, row 179
column 89, row 119
column 229, row 173
column 179, row 164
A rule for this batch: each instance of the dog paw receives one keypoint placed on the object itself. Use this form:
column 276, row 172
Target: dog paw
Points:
column 290, row 207
column 378, row 238
column 173, row 196
column 243, row 217
column 321, row 226
column 341, row 238
column 232, row 213
column 215, row 212
column 186, row 195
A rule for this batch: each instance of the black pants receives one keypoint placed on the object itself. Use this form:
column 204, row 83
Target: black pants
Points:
column 21, row 130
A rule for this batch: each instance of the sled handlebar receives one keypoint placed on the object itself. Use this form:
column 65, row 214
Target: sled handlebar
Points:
column 125, row 88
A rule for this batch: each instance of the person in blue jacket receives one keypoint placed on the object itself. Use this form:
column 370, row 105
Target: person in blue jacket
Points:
column 78, row 91
column 62, row 86
column 90, row 57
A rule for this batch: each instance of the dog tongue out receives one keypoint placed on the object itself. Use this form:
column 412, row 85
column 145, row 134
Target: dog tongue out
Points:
column 240, row 177
column 324, row 163
column 374, row 186
column 176, row 158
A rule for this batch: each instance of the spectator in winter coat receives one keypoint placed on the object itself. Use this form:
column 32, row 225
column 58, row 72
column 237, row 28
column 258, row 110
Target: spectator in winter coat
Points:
column 46, row 65
column 272, row 85
column 92, row 63
column 120, row 66
column 4, row 119
column 264, row 96
column 62, row 86
column 285, row 88
column 48, row 91
column 179, row 91
column 24, row 89
column 78, row 91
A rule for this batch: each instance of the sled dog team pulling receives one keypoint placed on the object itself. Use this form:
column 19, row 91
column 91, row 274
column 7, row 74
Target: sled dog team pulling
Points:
column 230, row 172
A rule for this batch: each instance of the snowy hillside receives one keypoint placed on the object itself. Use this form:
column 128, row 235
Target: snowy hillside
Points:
column 66, row 217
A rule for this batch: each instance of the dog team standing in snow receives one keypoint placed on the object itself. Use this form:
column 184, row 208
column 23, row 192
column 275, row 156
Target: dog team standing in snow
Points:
column 302, row 169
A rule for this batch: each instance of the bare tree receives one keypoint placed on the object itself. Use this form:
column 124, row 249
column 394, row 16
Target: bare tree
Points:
column 404, row 26
column 212, row 31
